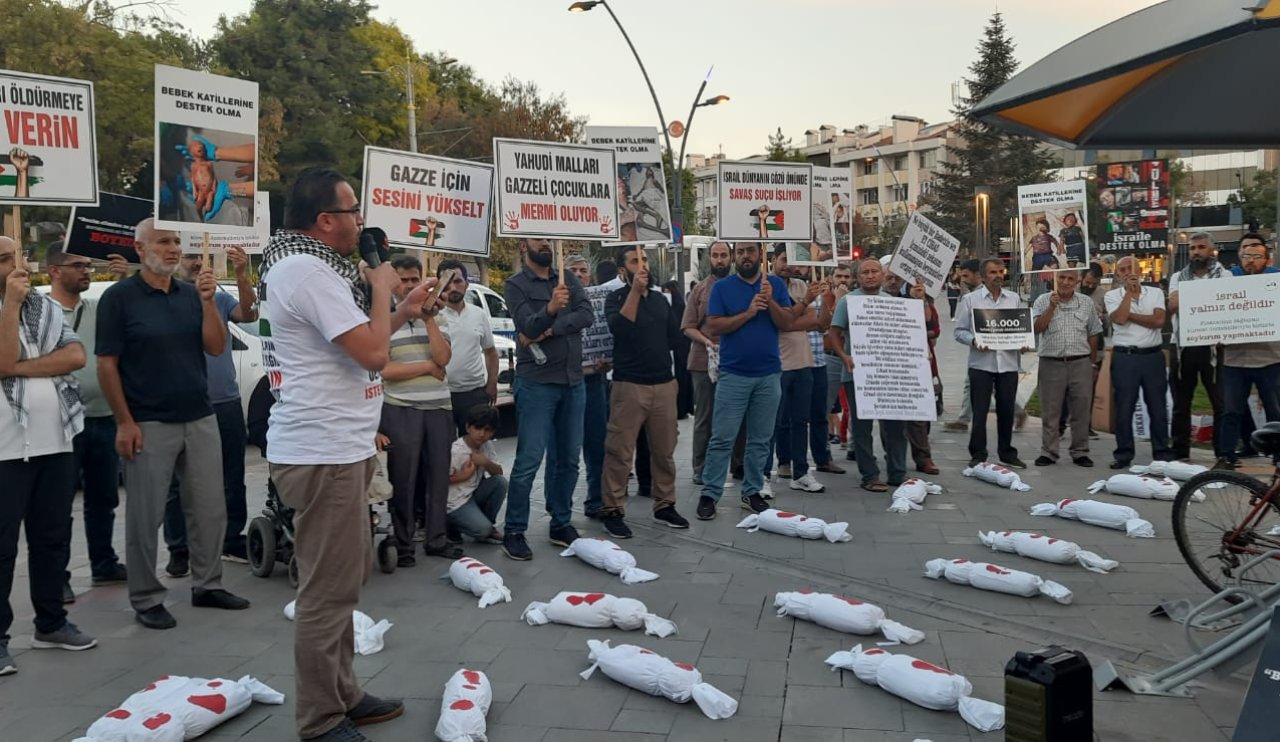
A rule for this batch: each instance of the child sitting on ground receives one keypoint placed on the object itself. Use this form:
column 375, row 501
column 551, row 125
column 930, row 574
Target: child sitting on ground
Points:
column 477, row 488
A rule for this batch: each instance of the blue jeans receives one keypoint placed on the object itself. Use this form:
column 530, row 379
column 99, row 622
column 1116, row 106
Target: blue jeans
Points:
column 1236, row 384
column 739, row 398
column 98, row 465
column 231, row 430
column 594, row 426
column 893, row 438
column 793, row 418
column 551, row 417
column 475, row 517
column 818, row 406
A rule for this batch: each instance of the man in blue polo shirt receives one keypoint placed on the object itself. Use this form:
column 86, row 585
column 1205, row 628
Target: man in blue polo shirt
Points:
column 746, row 311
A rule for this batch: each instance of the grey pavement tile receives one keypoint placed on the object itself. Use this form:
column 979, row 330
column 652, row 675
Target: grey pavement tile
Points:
column 645, row 722
column 858, row 735
column 861, row 707
column 767, row 645
column 509, row 732
column 810, row 734
column 594, row 705
column 1176, row 721
column 723, row 666
column 925, row 722
column 579, row 735
column 692, row 726
column 539, row 666
column 766, row 678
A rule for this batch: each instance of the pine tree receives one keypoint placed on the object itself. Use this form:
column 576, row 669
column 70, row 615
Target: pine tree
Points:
column 986, row 156
column 782, row 150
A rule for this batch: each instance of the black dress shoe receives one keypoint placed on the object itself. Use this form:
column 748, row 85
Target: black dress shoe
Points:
column 1084, row 461
column 217, row 599
column 975, row 461
column 1045, row 461
column 156, row 617
column 1119, row 465
column 373, row 710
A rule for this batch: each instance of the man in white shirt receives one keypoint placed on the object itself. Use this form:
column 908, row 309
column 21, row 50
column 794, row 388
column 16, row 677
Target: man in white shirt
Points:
column 1137, row 316
column 472, row 371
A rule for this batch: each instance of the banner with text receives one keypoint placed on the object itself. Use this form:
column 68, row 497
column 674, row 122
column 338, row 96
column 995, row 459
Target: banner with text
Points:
column 926, row 251
column 1054, row 226
column 206, row 152
column 840, row 195
column 1134, row 197
column 252, row 244
column 891, row 370
column 1004, row 329
column 767, row 201
column 48, row 146
column 819, row 249
column 426, row 202
column 556, row 191
column 643, row 206
column 99, row 231
column 1230, row 311
column 597, row 340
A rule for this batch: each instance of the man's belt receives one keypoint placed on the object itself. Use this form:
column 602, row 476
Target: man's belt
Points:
column 1135, row 350
column 1064, row 359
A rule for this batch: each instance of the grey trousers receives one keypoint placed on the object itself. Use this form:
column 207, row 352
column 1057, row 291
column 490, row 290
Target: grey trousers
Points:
column 418, row 461
column 1071, row 381
column 704, row 403
column 194, row 450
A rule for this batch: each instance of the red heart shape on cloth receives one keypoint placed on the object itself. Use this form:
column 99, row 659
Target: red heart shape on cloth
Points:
column 959, row 561
column 462, row 704
column 782, row 514
column 1064, row 503
column 589, row 599
column 683, row 666
column 475, row 565
column 217, row 703
column 922, row 665
column 874, row 651
column 157, row 721
column 471, row 676
column 993, row 569
column 485, row 571
column 118, row 714
column 850, row 601
column 805, row 592
column 215, row 684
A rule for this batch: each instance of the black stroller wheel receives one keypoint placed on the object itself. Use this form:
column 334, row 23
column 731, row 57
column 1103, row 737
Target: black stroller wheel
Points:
column 262, row 546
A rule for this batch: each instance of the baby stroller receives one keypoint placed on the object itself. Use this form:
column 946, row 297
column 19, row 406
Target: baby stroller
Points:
column 271, row 537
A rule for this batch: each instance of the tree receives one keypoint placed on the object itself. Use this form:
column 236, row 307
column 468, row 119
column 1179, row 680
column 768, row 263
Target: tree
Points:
column 688, row 196
column 782, row 150
column 1258, row 199
column 987, row 156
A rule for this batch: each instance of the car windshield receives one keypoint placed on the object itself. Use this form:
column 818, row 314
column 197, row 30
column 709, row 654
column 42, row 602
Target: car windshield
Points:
column 497, row 307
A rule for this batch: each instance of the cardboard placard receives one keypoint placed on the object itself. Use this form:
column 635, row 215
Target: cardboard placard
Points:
column 1229, row 310
column 1004, row 329
column 1260, row 715
column 1134, row 197
column 98, row 231
column 48, row 140
column 890, row 350
column 555, row 191
column 840, row 195
column 1054, row 226
column 644, row 208
column 925, row 251
column 597, row 340
column 766, row 201
column 428, row 202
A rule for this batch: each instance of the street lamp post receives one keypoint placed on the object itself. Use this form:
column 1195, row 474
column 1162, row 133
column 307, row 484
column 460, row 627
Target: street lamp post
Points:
column 411, row 101
column 982, row 219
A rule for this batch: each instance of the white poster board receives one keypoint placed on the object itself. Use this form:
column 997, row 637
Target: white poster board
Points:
column 426, row 202
column 644, row 209
column 1053, row 223
column 1004, row 329
column 925, row 251
column 840, row 196
column 819, row 249
column 891, row 371
column 555, row 191
column 253, row 244
column 767, row 201
column 1232, row 310
column 206, row 152
column 48, row 144
column 597, row 340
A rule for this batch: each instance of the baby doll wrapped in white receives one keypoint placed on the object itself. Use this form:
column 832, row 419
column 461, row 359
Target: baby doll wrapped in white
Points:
column 1046, row 549
column 998, row 475
column 466, row 701
column 1179, row 471
column 174, row 708
column 921, row 683
column 368, row 633
column 995, row 578
column 1141, row 486
column 604, row 554
column 647, row 671
column 598, row 611
column 844, row 614
column 795, row 524
column 480, row 580
column 910, row 495
column 1095, row 513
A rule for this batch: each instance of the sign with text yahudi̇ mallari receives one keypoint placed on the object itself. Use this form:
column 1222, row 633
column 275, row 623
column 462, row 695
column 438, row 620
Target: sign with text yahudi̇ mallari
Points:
column 427, row 202
column 48, row 145
column 766, row 201
column 555, row 191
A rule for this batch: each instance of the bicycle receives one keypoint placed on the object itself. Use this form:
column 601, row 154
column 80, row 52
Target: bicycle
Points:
column 1238, row 520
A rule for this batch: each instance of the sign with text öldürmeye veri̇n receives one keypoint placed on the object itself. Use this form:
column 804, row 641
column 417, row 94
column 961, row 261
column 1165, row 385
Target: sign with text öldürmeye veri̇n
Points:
column 555, row 191
column 766, row 201
column 48, row 145
column 427, row 202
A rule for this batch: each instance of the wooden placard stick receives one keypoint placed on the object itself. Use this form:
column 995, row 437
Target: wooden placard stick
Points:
column 560, row 259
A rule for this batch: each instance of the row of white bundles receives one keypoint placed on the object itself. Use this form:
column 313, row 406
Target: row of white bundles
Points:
column 604, row 554
column 1045, row 549
column 649, row 672
column 1095, row 513
column 598, row 611
column 480, row 580
column 368, row 634
column 466, row 701
column 995, row 578
column 795, row 524
column 920, row 683
column 998, row 475
column 910, row 495
column 844, row 614
column 175, row 708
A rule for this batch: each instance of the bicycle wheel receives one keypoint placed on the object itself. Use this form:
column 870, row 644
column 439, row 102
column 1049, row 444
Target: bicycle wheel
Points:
column 1226, row 529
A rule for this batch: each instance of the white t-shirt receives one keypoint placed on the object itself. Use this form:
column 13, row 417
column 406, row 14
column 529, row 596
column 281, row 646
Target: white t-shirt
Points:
column 1131, row 334
column 459, row 452
column 470, row 336
column 328, row 407
column 43, row 434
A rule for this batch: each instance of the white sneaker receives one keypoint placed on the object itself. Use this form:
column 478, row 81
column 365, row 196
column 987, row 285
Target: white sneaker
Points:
column 766, row 491
column 807, row 484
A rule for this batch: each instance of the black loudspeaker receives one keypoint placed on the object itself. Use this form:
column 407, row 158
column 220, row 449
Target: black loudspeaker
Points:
column 1048, row 697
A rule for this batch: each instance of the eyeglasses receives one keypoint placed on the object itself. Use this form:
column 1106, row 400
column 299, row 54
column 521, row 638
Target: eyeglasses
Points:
column 354, row 210
column 1254, row 256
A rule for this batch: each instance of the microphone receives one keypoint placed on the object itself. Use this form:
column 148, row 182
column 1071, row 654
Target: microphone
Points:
column 373, row 246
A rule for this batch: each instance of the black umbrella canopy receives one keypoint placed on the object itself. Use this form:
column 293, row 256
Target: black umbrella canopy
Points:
column 1181, row 73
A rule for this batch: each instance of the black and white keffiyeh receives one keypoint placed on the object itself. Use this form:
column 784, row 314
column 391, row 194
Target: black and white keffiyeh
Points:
column 284, row 244
column 41, row 331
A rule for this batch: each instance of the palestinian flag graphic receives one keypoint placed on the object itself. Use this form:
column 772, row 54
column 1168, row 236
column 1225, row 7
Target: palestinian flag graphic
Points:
column 418, row 228
column 773, row 223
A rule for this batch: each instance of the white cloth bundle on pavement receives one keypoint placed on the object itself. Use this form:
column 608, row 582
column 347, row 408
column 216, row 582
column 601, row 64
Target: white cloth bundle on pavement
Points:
column 1046, row 549
column 844, row 614
column 604, row 554
column 646, row 671
column 1096, row 513
column 920, row 683
column 1141, row 486
column 368, row 632
column 996, row 578
column 795, row 524
column 910, row 495
column 480, row 580
column 598, row 611
column 175, row 708
column 999, row 475
column 1179, row 471
column 466, row 701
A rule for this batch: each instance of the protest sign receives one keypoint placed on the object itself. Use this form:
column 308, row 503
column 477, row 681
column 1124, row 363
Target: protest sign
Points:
column 767, row 201
column 428, row 202
column 99, row 231
column 1229, row 311
column 597, row 340
column 206, row 152
column 252, row 244
column 556, row 191
column 644, row 209
column 840, row 195
column 1054, row 226
column 926, row 251
column 48, row 146
column 819, row 249
column 891, row 371
column 1003, row 329
column 1134, row 197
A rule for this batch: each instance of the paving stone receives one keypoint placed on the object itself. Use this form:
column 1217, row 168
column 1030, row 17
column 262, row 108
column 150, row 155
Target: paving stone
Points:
column 646, row 722
column 857, row 708
column 592, row 706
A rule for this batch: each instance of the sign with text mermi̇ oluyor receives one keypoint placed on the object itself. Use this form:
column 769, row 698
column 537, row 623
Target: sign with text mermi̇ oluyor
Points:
column 926, row 251
column 427, row 202
column 1229, row 311
column 48, row 144
column 555, row 191
column 765, row 201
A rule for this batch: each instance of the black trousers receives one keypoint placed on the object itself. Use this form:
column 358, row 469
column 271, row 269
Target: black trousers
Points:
column 1190, row 367
column 462, row 402
column 982, row 384
column 37, row 495
column 1131, row 373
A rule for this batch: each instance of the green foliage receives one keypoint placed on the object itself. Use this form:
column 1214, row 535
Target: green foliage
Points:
column 1258, row 199
column 781, row 149
column 688, row 197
